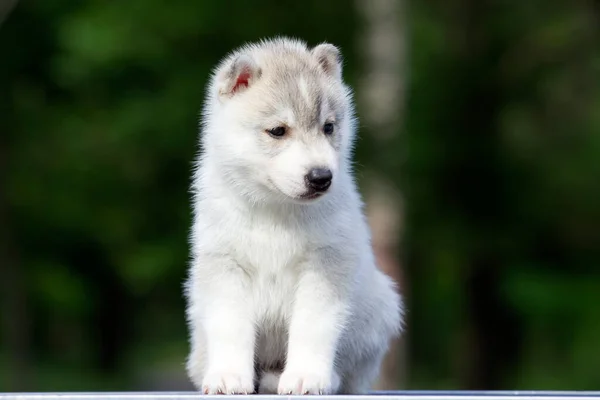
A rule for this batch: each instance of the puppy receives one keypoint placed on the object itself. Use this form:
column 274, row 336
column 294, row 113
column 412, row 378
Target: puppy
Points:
column 284, row 295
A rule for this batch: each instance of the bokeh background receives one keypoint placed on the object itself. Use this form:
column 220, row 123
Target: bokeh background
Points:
column 479, row 159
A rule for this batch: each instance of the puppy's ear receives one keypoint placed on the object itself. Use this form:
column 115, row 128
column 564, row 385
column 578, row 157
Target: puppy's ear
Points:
column 237, row 76
column 330, row 59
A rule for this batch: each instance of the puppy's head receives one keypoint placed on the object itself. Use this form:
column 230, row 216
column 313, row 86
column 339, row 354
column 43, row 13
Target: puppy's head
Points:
column 279, row 121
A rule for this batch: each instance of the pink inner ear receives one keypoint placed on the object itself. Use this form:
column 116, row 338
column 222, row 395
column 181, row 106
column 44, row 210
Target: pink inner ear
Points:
column 325, row 63
column 242, row 81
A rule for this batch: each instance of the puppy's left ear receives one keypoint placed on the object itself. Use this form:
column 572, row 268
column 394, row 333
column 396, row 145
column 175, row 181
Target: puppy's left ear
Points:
column 330, row 59
column 237, row 76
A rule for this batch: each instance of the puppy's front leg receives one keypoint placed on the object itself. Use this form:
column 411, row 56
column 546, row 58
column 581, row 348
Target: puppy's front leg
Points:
column 222, row 301
column 318, row 316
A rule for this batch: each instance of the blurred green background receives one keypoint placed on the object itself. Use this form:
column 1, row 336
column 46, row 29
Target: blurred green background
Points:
column 495, row 152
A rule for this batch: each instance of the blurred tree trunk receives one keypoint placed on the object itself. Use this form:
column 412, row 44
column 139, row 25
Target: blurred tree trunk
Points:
column 6, row 6
column 492, row 334
column 13, row 297
column 14, row 316
column 14, row 310
column 381, row 102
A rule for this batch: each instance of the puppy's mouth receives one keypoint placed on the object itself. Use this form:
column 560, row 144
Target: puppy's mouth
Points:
column 311, row 195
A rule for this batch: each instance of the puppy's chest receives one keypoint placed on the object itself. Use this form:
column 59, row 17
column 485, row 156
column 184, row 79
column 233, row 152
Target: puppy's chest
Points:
column 267, row 248
column 272, row 254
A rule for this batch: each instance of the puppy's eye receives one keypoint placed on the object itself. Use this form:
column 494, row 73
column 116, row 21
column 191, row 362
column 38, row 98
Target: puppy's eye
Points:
column 277, row 132
column 328, row 128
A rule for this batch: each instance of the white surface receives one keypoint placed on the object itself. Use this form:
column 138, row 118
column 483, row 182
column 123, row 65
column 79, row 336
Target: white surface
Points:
column 400, row 395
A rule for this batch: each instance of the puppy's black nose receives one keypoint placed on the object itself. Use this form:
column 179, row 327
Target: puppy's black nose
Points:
column 319, row 179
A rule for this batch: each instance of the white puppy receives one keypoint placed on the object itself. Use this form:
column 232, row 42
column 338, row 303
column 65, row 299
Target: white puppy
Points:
column 284, row 295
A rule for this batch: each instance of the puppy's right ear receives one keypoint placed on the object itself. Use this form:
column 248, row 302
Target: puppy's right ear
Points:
column 330, row 59
column 237, row 76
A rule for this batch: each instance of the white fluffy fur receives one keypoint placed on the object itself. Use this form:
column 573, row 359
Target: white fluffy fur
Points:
column 283, row 293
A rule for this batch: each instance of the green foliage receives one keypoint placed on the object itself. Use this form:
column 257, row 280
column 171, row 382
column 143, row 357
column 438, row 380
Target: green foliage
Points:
column 99, row 115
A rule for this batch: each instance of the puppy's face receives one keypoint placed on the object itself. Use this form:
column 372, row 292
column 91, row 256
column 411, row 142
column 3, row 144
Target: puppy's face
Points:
column 282, row 124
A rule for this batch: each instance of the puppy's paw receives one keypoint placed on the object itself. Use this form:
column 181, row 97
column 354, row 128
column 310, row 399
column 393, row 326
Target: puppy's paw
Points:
column 227, row 382
column 292, row 382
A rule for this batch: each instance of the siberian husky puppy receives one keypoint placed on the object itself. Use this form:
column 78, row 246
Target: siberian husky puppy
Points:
column 284, row 295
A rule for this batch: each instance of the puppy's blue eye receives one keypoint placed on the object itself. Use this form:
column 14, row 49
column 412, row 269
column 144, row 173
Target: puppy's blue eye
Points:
column 277, row 132
column 328, row 128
